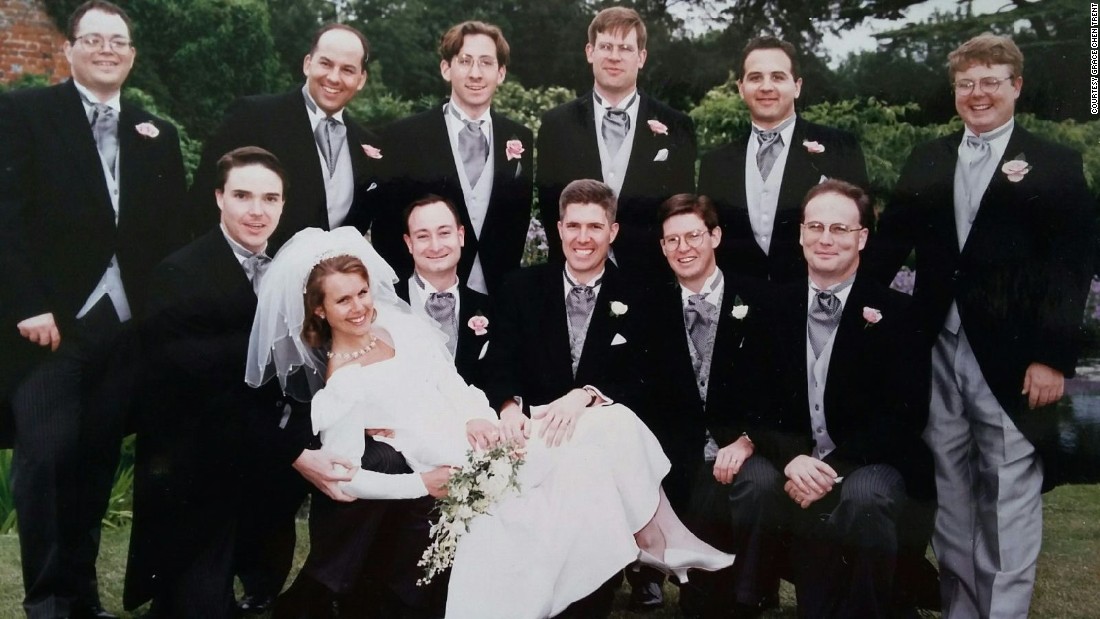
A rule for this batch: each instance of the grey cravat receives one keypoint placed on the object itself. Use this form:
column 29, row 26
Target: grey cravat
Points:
column 771, row 144
column 578, row 308
column 105, row 130
column 441, row 307
column 824, row 315
column 330, row 135
column 255, row 266
column 701, row 321
column 472, row 147
column 615, row 126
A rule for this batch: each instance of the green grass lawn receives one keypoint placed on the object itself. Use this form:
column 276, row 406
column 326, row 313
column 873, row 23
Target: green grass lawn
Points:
column 1069, row 568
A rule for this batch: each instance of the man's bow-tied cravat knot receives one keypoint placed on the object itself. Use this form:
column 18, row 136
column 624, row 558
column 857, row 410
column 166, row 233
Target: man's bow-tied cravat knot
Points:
column 441, row 307
column 105, row 130
column 771, row 144
column 473, row 147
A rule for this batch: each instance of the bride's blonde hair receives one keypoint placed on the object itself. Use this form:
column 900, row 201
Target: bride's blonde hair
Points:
column 315, row 330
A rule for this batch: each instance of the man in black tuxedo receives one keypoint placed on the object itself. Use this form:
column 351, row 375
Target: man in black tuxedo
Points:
column 333, row 167
column 436, row 237
column 333, row 164
column 462, row 150
column 643, row 149
column 696, row 331
column 566, row 336
column 89, row 203
column 759, row 180
column 836, row 455
column 1002, row 225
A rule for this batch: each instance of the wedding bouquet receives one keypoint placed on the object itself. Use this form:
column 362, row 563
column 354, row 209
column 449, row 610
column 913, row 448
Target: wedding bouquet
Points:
column 485, row 478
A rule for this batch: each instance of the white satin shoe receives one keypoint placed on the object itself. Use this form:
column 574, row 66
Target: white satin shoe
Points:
column 677, row 561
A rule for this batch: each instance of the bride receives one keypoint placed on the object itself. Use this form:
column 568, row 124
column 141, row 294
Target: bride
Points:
column 329, row 324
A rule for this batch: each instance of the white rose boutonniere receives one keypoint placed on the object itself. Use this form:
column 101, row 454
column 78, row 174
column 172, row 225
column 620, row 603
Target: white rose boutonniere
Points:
column 148, row 129
column 740, row 308
column 618, row 308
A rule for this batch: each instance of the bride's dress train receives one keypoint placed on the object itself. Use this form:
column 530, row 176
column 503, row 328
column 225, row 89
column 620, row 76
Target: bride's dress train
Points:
column 571, row 526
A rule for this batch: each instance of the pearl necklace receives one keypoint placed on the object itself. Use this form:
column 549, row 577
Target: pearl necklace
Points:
column 355, row 354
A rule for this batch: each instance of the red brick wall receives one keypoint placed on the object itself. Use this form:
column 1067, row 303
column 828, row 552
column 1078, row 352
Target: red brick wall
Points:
column 30, row 42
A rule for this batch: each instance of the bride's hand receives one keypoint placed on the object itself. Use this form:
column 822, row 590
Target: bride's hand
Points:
column 386, row 432
column 436, row 480
column 482, row 433
column 562, row 416
column 515, row 425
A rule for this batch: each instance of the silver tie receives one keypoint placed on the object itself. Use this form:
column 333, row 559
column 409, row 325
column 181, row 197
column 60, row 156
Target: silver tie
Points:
column 105, row 130
column 330, row 134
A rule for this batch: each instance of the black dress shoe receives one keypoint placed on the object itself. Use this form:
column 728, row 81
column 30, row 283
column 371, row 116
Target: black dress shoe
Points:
column 254, row 604
column 92, row 611
column 646, row 597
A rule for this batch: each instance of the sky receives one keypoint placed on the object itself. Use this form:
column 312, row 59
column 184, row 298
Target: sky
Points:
column 859, row 38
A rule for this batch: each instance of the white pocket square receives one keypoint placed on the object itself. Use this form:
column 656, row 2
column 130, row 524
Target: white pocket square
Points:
column 618, row 339
column 372, row 187
column 484, row 349
column 822, row 179
column 662, row 155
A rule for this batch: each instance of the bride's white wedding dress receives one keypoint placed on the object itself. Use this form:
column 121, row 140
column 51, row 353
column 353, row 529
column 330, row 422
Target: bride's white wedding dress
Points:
column 569, row 529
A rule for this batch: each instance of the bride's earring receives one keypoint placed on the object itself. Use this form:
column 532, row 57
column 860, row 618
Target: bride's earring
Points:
column 322, row 315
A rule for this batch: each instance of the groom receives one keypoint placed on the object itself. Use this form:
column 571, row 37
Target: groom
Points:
column 566, row 337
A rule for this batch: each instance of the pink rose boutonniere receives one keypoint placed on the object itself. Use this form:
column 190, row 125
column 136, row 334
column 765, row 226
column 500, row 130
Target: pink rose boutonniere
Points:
column 148, row 129
column 513, row 149
column 479, row 324
column 372, row 152
column 1016, row 169
column 872, row 316
column 813, row 147
column 657, row 127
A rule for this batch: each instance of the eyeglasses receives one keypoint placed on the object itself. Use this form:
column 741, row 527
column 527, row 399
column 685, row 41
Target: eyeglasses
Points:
column 95, row 42
column 467, row 62
column 607, row 48
column 989, row 85
column 693, row 239
column 814, row 229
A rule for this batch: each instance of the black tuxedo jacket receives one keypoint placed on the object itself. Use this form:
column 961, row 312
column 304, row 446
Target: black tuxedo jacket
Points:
column 280, row 124
column 722, row 178
column 467, row 355
column 673, row 410
column 203, row 434
column 57, row 226
column 530, row 357
column 568, row 149
column 876, row 388
column 418, row 158
column 1021, row 278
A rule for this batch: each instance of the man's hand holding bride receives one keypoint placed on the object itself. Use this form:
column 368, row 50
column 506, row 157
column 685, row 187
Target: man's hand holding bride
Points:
column 562, row 415
column 514, row 424
column 326, row 471
column 436, row 480
column 482, row 433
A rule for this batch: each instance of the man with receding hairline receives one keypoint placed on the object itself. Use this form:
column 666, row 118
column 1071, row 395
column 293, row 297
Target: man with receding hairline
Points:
column 90, row 190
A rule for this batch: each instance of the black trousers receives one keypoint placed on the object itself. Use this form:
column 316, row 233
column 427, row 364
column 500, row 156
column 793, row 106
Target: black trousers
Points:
column 69, row 413
column 843, row 548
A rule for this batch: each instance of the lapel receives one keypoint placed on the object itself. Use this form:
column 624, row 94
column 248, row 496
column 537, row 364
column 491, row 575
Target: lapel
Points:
column 801, row 171
column 471, row 303
column 361, row 165
column 791, row 335
column 301, row 152
column 675, row 335
column 553, row 325
column 941, row 191
column 227, row 274
column 588, row 150
column 402, row 289
column 602, row 328
column 852, row 335
column 72, row 120
column 645, row 144
column 999, row 194
column 504, row 173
